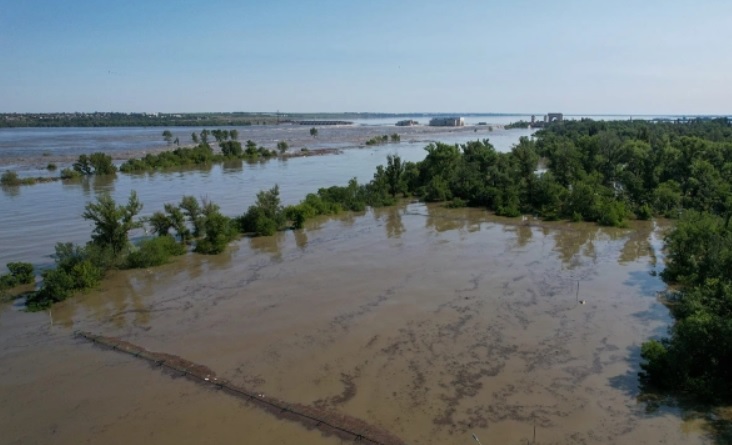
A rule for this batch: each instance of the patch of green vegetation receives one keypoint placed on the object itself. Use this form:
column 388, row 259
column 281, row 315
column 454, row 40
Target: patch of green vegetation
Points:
column 9, row 178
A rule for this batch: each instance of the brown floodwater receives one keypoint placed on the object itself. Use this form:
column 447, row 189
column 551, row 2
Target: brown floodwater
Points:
column 432, row 323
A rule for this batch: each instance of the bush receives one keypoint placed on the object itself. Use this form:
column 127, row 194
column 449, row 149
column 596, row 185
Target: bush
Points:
column 69, row 173
column 219, row 230
column 644, row 212
column 102, row 164
column 51, row 167
column 58, row 285
column 23, row 272
column 154, row 252
column 7, row 281
column 456, row 203
column 231, row 149
column 257, row 222
column 77, row 268
column 612, row 213
column 10, row 178
column 266, row 216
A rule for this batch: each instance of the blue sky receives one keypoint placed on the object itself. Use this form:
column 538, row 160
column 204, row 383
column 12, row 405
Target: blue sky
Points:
column 579, row 57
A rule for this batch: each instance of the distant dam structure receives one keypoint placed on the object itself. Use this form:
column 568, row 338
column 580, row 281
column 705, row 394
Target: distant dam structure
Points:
column 548, row 119
column 323, row 123
column 447, row 122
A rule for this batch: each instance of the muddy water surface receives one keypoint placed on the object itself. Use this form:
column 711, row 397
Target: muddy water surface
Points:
column 432, row 323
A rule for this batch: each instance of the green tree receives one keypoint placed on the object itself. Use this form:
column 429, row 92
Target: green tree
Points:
column 83, row 165
column 160, row 223
column 112, row 223
column 192, row 210
column 313, row 132
column 177, row 220
column 167, row 136
column 218, row 231
column 394, row 174
column 266, row 216
column 282, row 146
column 194, row 137
column 102, row 164
column 231, row 148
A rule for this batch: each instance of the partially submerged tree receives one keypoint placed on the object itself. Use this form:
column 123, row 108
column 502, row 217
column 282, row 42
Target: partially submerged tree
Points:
column 112, row 223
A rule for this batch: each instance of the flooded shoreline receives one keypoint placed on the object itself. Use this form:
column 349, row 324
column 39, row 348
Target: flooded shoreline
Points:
column 31, row 149
column 432, row 323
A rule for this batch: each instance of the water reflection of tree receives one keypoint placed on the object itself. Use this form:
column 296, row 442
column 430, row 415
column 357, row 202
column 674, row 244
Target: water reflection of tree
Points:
column 89, row 185
column 301, row 239
column 638, row 243
column 523, row 235
column 393, row 220
column 121, row 302
column 11, row 191
column 569, row 241
column 271, row 245
column 233, row 165
column 441, row 220
column 347, row 219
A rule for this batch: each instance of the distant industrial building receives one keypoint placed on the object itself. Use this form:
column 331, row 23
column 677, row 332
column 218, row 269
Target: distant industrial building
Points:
column 447, row 122
column 407, row 123
column 548, row 119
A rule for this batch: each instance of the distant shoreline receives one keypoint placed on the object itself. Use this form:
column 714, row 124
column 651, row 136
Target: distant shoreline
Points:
column 114, row 119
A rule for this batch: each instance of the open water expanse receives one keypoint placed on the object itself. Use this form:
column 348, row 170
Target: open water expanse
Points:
column 431, row 323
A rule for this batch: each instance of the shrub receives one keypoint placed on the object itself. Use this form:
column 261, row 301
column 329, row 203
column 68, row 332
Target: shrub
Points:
column 69, row 173
column 22, row 272
column 231, row 149
column 456, row 203
column 257, row 222
column 51, row 167
column 58, row 285
column 612, row 213
column 154, row 252
column 644, row 212
column 7, row 281
column 10, row 178
column 102, row 164
column 77, row 268
column 219, row 230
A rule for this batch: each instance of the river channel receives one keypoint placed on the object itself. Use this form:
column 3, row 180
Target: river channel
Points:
column 432, row 323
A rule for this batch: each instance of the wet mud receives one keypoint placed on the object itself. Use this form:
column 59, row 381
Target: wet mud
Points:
column 431, row 323
column 312, row 417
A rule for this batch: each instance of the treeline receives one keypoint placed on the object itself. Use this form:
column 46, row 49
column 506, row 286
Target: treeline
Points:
column 177, row 227
column 677, row 170
column 518, row 124
column 695, row 360
column 640, row 167
column 102, row 119
column 379, row 140
column 200, row 155
column 78, row 267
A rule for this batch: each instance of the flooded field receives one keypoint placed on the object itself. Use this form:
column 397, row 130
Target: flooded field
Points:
column 432, row 323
